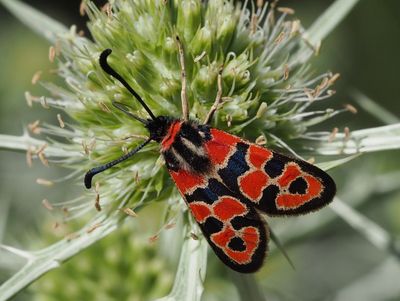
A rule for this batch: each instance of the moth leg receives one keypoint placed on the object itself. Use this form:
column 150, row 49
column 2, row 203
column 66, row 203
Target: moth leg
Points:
column 185, row 104
column 218, row 99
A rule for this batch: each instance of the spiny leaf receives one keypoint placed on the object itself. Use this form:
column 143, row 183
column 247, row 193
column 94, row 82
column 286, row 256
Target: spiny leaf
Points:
column 247, row 286
column 362, row 141
column 34, row 19
column 373, row 232
column 50, row 258
column 322, row 27
column 25, row 142
column 334, row 163
column 374, row 108
column 191, row 272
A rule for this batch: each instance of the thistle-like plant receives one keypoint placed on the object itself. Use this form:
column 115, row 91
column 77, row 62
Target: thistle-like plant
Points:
column 254, row 61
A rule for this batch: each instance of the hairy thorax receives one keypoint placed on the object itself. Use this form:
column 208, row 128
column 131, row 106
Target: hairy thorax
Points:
column 183, row 147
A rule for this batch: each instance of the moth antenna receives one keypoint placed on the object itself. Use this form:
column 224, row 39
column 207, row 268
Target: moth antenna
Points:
column 123, row 108
column 107, row 68
column 94, row 171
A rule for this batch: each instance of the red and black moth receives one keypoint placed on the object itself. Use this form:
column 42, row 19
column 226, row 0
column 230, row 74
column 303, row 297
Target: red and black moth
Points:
column 227, row 182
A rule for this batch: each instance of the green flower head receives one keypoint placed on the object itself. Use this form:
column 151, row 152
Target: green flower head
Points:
column 245, row 59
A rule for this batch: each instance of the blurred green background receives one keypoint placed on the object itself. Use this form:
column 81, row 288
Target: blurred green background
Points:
column 333, row 262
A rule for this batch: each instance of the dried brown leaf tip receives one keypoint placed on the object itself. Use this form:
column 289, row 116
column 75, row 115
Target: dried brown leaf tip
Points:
column 72, row 236
column 97, row 202
column 44, row 182
column 311, row 160
column 253, row 24
column 97, row 187
column 36, row 77
column 280, row 38
column 261, row 140
column 43, row 159
column 60, row 121
column 43, row 102
column 65, row 211
column 286, row 10
column 29, row 153
column 107, row 8
column 130, row 212
column 42, row 148
column 153, row 238
column 52, row 54
column 351, row 108
column 286, row 71
column 41, row 155
column 229, row 120
column 199, row 57
column 34, row 127
column 309, row 93
column 347, row 134
column 169, row 226
column 104, row 107
column 30, row 98
column 296, row 26
column 333, row 134
column 93, row 227
column 46, row 204
column 82, row 8
column 85, row 147
column 334, row 78
column 194, row 236
column 136, row 177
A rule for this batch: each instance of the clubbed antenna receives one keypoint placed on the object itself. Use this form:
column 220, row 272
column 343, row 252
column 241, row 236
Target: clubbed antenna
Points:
column 107, row 68
column 94, row 171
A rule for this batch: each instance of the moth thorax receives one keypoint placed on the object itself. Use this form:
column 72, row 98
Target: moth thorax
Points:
column 184, row 148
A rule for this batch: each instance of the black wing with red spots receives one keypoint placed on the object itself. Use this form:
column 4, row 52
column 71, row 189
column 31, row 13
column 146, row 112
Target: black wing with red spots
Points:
column 241, row 180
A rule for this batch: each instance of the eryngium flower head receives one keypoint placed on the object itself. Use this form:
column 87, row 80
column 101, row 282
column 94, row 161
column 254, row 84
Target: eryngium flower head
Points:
column 267, row 91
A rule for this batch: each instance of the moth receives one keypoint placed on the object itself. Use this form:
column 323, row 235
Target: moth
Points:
column 227, row 182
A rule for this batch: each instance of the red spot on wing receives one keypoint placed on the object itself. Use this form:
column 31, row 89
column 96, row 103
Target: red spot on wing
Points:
column 314, row 186
column 253, row 183
column 288, row 201
column 224, row 138
column 290, row 173
column 217, row 152
column 251, row 238
column 200, row 211
column 258, row 155
column 170, row 137
column 292, row 201
column 222, row 238
column 220, row 146
column 227, row 208
column 186, row 180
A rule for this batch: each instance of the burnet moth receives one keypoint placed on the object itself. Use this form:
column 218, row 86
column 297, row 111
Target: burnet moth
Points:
column 227, row 182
